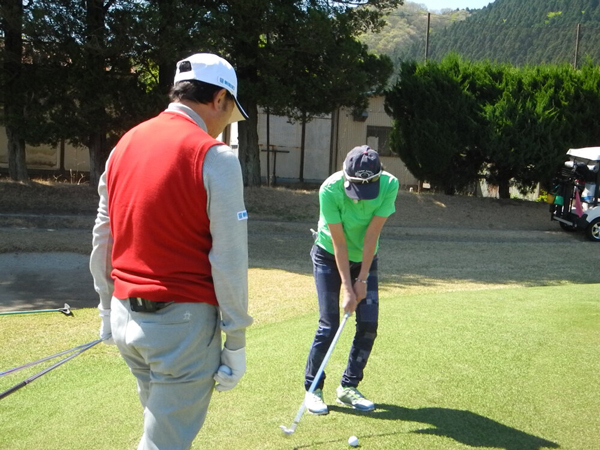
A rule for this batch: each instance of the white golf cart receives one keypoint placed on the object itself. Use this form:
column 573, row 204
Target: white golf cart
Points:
column 574, row 197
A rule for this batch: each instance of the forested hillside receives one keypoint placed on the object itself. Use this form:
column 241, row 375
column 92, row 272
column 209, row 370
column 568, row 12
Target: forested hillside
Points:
column 514, row 31
column 405, row 33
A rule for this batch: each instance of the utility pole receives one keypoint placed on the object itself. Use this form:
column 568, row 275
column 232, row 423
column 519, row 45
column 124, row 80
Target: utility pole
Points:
column 427, row 37
column 302, row 149
column 577, row 45
column 269, row 134
column 268, row 147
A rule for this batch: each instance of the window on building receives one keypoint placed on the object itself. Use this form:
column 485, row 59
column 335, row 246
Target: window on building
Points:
column 378, row 138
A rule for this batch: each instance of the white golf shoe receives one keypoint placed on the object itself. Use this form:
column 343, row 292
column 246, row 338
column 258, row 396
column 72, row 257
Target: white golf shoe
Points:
column 350, row 396
column 314, row 402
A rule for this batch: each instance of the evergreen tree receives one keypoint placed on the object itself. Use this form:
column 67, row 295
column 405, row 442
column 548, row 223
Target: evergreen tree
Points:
column 296, row 56
column 80, row 60
column 98, row 67
column 436, row 123
column 456, row 121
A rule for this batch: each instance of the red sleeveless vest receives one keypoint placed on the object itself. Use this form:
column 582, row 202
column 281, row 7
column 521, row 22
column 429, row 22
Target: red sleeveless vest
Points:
column 157, row 208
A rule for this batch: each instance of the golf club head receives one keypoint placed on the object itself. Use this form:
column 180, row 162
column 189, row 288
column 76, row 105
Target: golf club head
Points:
column 287, row 431
column 66, row 310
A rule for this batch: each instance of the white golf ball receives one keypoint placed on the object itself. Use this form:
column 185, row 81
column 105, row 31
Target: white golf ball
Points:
column 225, row 369
column 353, row 441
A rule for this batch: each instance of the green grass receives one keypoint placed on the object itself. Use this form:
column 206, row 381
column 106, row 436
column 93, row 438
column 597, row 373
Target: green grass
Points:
column 515, row 368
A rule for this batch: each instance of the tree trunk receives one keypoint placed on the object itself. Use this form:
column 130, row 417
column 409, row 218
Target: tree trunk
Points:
column 98, row 156
column 302, row 148
column 17, row 166
column 166, row 69
column 12, row 23
column 96, row 66
column 504, row 188
column 249, row 152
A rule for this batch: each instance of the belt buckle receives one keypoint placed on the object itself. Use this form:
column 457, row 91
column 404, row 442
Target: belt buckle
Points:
column 139, row 304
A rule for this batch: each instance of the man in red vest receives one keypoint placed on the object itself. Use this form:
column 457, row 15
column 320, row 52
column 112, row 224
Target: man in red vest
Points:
column 170, row 253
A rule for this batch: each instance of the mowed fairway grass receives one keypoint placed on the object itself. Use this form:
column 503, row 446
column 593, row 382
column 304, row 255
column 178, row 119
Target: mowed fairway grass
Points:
column 512, row 368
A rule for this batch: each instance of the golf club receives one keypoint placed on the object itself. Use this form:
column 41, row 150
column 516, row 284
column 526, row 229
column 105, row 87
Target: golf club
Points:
column 33, row 363
column 23, row 383
column 292, row 428
column 66, row 310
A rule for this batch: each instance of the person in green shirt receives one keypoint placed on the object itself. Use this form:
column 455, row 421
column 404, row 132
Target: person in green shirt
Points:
column 354, row 205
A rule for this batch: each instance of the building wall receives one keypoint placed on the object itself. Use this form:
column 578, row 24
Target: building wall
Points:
column 328, row 140
column 285, row 139
column 45, row 157
column 353, row 132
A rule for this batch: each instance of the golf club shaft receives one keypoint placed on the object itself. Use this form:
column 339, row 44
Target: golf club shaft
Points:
column 23, row 383
column 62, row 310
column 65, row 310
column 29, row 312
column 320, row 371
column 33, row 363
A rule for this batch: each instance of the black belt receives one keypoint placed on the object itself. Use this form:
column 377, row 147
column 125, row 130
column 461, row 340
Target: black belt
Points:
column 142, row 305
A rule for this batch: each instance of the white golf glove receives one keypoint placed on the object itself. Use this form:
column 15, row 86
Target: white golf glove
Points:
column 105, row 328
column 236, row 361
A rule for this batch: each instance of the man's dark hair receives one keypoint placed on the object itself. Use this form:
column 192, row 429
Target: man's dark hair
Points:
column 195, row 91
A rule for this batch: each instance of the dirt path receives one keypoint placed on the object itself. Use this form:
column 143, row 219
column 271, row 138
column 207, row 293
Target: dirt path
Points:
column 32, row 281
column 433, row 243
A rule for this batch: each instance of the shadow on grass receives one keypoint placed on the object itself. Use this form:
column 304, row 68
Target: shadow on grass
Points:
column 465, row 427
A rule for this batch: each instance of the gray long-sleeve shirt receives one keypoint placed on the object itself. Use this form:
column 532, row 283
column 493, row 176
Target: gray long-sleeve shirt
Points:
column 228, row 226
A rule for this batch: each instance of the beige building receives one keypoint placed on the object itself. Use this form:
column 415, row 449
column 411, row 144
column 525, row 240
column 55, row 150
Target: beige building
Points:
column 64, row 157
column 327, row 141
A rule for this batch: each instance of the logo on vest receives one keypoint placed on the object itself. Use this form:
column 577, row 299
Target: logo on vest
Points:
column 242, row 215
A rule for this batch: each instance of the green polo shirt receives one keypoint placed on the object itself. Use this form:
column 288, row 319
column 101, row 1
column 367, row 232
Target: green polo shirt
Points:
column 355, row 216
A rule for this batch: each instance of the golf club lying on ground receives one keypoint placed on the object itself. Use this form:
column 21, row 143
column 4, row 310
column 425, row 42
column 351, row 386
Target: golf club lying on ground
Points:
column 23, row 383
column 33, row 363
column 291, row 429
column 66, row 310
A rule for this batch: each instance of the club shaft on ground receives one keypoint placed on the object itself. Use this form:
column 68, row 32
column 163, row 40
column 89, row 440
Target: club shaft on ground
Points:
column 33, row 363
column 320, row 371
column 31, row 312
column 23, row 383
column 65, row 310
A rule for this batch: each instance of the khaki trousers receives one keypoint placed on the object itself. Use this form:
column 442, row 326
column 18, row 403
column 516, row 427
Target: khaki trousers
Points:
column 173, row 353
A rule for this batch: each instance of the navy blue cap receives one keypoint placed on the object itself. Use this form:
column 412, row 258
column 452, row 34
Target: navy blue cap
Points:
column 362, row 169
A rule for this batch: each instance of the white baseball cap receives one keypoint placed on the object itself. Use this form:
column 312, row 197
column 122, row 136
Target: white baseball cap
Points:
column 211, row 69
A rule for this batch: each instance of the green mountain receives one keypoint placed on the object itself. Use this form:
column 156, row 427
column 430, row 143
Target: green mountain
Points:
column 404, row 36
column 515, row 31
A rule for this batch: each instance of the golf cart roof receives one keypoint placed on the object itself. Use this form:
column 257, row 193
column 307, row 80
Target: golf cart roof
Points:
column 589, row 153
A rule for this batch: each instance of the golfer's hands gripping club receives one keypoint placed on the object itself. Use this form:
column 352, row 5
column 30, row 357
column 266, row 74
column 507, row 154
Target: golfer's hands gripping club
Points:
column 349, row 302
column 105, row 328
column 360, row 290
column 236, row 361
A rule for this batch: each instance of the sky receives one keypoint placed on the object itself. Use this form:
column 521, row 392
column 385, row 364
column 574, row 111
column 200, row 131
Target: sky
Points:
column 436, row 5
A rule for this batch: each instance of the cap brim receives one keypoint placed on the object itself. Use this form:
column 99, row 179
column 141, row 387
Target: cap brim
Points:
column 362, row 191
column 238, row 113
